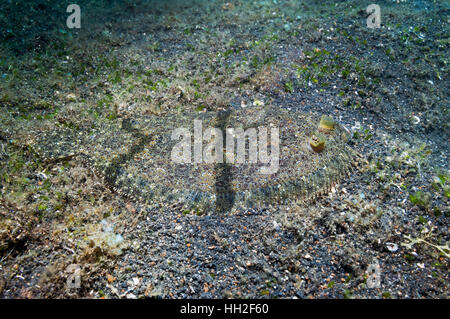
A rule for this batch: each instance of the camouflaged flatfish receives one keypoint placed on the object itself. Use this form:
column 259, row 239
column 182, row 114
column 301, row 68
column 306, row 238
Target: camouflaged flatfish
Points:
column 133, row 156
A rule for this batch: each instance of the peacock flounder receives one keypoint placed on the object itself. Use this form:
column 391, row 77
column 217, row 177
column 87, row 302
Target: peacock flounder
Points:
column 134, row 156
